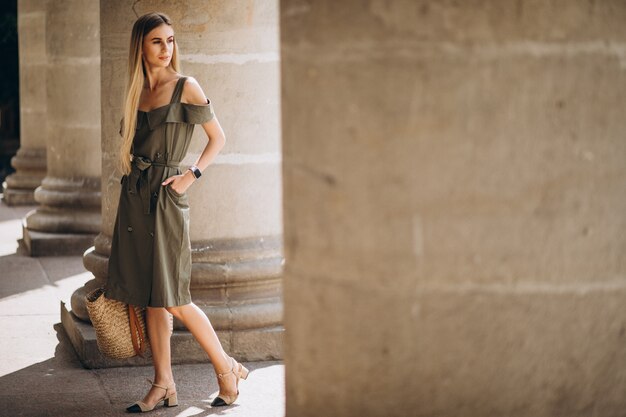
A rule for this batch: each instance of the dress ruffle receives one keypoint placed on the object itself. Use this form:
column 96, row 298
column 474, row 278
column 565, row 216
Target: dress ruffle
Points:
column 180, row 113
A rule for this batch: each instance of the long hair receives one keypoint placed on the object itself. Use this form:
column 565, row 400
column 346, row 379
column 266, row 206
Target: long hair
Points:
column 136, row 78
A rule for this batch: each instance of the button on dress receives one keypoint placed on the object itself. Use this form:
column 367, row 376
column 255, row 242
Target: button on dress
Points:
column 150, row 262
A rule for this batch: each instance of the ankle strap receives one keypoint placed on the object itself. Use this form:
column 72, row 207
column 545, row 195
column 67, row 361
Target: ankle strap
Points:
column 232, row 369
column 161, row 386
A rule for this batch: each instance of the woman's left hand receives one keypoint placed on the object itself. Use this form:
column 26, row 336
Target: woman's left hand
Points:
column 180, row 183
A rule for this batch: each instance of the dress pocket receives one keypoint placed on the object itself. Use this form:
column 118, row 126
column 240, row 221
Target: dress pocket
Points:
column 176, row 197
column 173, row 191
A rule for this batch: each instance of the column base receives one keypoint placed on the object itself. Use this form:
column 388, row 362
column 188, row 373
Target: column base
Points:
column 244, row 345
column 55, row 244
column 30, row 170
column 17, row 197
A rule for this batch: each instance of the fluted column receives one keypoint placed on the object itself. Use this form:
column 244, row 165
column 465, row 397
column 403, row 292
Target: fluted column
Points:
column 30, row 160
column 68, row 215
column 232, row 50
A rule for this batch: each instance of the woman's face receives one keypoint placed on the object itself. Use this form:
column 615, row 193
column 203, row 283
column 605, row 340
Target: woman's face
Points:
column 158, row 46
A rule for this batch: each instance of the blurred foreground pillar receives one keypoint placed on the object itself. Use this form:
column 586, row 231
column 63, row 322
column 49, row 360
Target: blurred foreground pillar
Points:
column 30, row 161
column 68, row 215
column 454, row 177
column 236, row 224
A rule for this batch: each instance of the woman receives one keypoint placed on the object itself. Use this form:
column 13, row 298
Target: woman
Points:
column 150, row 262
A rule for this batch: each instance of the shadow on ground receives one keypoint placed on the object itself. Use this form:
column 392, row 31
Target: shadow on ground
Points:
column 60, row 386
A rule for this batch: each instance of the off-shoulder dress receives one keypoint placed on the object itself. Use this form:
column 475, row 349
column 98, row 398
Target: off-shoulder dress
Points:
column 150, row 262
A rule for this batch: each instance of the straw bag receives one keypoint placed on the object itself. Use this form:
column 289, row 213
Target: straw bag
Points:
column 120, row 328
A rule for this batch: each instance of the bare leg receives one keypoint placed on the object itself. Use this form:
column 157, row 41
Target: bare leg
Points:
column 200, row 327
column 158, row 326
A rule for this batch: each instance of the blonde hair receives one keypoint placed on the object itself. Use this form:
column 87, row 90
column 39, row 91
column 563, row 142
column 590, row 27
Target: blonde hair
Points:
column 136, row 78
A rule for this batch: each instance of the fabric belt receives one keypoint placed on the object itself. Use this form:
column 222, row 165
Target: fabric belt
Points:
column 140, row 177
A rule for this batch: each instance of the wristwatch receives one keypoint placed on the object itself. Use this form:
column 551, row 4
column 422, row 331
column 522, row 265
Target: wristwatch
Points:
column 195, row 171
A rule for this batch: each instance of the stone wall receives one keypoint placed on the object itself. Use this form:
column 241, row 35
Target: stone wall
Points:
column 454, row 207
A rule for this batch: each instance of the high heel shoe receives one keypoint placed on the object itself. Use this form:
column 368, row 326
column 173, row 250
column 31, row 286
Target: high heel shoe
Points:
column 239, row 371
column 169, row 400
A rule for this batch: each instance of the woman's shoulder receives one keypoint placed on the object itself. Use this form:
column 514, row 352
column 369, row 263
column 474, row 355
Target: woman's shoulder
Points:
column 192, row 91
column 193, row 108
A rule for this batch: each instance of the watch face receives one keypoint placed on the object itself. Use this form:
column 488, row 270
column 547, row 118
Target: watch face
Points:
column 196, row 172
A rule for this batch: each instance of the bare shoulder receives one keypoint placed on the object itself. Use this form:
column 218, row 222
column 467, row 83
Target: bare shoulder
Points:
column 192, row 92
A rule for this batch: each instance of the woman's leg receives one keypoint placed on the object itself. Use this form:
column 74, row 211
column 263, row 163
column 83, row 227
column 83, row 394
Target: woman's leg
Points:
column 158, row 326
column 200, row 327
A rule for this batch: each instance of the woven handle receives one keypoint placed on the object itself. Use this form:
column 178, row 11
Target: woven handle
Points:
column 139, row 344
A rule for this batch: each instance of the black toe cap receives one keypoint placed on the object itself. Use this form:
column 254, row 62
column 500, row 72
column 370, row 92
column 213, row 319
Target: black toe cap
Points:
column 218, row 402
column 134, row 409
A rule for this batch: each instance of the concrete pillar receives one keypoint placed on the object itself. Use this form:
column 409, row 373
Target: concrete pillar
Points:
column 454, row 207
column 68, row 215
column 30, row 161
column 236, row 224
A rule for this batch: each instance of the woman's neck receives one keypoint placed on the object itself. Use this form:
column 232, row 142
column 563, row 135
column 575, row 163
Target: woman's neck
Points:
column 158, row 76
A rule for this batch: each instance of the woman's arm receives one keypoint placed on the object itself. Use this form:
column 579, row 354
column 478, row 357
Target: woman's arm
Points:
column 193, row 94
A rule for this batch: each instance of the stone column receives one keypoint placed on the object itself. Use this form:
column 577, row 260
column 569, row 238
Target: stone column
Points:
column 30, row 161
column 454, row 207
column 236, row 212
column 68, row 215
column 232, row 50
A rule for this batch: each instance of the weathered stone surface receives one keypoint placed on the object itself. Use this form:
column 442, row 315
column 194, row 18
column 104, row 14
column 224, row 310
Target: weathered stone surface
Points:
column 454, row 207
column 69, row 195
column 247, row 345
column 30, row 161
column 55, row 244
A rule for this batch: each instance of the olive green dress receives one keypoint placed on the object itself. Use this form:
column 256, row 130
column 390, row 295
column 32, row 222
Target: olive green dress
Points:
column 150, row 262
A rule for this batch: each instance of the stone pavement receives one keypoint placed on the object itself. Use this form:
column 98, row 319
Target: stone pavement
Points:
column 40, row 374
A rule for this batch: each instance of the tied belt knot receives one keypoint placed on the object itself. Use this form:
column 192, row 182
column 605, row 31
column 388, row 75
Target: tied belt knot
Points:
column 140, row 177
